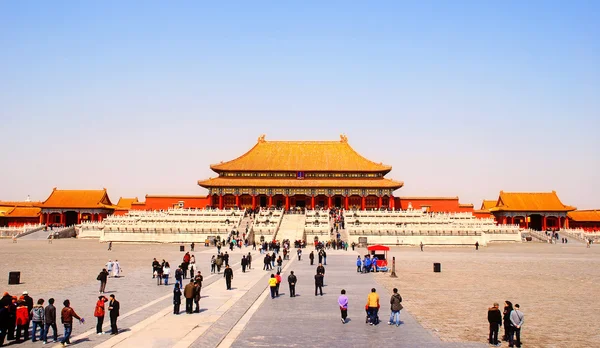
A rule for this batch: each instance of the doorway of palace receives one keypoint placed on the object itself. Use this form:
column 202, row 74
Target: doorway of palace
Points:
column 321, row 201
column 338, row 201
column 70, row 218
column 279, row 201
column 300, row 201
column 553, row 223
column 535, row 222
column 263, row 201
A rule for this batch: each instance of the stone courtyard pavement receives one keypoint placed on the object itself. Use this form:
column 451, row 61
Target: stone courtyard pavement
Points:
column 243, row 317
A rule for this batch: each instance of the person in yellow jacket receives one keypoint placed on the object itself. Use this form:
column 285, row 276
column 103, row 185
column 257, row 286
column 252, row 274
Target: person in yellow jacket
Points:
column 373, row 307
column 273, row 285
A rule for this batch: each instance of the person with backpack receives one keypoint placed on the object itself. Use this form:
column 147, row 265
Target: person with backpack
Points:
column 373, row 307
column 37, row 319
column 99, row 313
column 396, row 304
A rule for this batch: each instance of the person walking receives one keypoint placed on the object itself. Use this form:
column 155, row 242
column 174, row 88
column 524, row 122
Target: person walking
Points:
column 249, row 259
column 166, row 272
column 476, row 245
column 228, row 274
column 192, row 268
column 321, row 270
column 421, row 245
column 117, row 269
column 517, row 318
column 103, row 278
column 188, row 293
column 99, row 313
column 495, row 321
column 197, row 292
column 278, row 278
column 50, row 321
column 324, row 257
column 343, row 303
column 37, row 320
column 109, row 246
column 66, row 317
column 299, row 254
column 279, row 264
column 176, row 298
column 244, row 263
column 373, row 307
column 109, row 267
column 179, row 275
column 155, row 266
column 114, row 307
column 319, row 283
column 292, row 280
column 273, row 285
column 396, row 307
column 311, row 257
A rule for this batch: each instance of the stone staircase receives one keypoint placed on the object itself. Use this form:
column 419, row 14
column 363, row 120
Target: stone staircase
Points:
column 292, row 227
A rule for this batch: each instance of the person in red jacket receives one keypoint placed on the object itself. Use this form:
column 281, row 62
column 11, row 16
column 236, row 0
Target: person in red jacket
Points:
column 22, row 321
column 99, row 313
column 278, row 278
column 66, row 316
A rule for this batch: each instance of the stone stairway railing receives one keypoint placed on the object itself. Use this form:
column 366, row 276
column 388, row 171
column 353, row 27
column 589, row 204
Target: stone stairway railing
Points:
column 28, row 232
column 64, row 232
column 539, row 236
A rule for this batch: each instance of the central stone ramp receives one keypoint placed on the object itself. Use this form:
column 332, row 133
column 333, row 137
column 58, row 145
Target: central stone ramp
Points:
column 292, row 227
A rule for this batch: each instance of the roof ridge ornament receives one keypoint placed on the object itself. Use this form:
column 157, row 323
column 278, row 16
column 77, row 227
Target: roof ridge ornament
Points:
column 261, row 139
column 343, row 138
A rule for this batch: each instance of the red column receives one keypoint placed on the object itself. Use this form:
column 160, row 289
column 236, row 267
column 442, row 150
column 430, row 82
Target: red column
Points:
column 253, row 202
column 312, row 202
column 220, row 201
column 41, row 219
column 78, row 217
column 237, row 201
column 287, row 202
column 63, row 218
column 526, row 221
column 392, row 203
column 504, row 220
column 346, row 202
column 566, row 223
column 270, row 201
column 544, row 221
column 363, row 203
column 380, row 201
column 329, row 202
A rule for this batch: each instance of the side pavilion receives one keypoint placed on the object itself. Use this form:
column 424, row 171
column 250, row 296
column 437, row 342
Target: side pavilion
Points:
column 70, row 207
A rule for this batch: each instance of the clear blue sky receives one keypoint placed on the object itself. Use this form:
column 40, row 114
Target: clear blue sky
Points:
column 461, row 98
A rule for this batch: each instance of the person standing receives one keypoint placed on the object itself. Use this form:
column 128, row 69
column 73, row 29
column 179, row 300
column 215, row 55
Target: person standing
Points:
column 278, row 278
column 321, row 271
column 176, row 298
column 188, row 293
column 495, row 320
column 213, row 264
column 358, row 264
column 311, row 257
column 508, row 307
column 114, row 307
column 197, row 292
column 292, row 280
column 22, row 322
column 4, row 320
column 273, row 285
column 99, row 313
column 421, row 245
column 50, row 321
column 396, row 304
column 192, row 246
column 102, row 277
column 249, row 258
column 299, row 254
column 373, row 306
column 66, row 317
column 166, row 272
column 109, row 246
column 228, row 274
column 319, row 283
column 477, row 245
column 192, row 266
column 343, row 302
column 324, row 258
column 155, row 266
column 37, row 319
column 517, row 318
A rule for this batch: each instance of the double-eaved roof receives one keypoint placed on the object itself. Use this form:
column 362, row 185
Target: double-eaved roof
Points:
column 529, row 201
column 308, row 156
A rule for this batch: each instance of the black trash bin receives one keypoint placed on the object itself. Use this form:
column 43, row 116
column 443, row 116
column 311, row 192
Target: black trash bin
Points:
column 437, row 267
column 182, row 248
column 14, row 278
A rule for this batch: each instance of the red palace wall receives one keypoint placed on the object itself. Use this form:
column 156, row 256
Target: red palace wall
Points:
column 18, row 222
column 450, row 204
column 164, row 203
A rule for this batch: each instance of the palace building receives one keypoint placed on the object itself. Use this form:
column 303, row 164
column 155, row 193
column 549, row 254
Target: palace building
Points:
column 301, row 174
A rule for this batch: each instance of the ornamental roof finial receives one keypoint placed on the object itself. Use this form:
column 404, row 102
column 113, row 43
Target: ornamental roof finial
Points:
column 261, row 139
column 343, row 138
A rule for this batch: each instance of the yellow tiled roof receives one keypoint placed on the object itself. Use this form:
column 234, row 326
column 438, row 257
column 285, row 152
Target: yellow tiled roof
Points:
column 31, row 212
column 530, row 201
column 584, row 215
column 4, row 211
column 125, row 203
column 19, row 204
column 488, row 204
column 78, row 199
column 329, row 183
column 301, row 156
